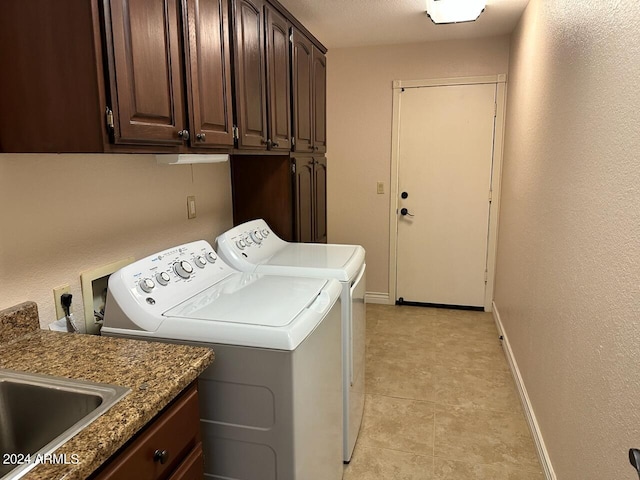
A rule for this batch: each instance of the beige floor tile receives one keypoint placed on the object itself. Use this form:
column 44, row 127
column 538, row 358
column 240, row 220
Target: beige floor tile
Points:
column 394, row 346
column 441, row 402
column 451, row 470
column 477, row 325
column 483, row 388
column 482, row 436
column 409, row 324
column 382, row 464
column 398, row 424
column 399, row 376
column 463, row 352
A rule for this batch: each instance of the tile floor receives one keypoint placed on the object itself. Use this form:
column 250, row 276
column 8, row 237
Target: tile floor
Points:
column 441, row 403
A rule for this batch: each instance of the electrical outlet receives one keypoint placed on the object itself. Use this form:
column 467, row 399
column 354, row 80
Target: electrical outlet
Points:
column 57, row 293
column 191, row 206
column 380, row 188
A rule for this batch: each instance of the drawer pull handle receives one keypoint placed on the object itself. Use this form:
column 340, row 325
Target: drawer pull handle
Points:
column 161, row 456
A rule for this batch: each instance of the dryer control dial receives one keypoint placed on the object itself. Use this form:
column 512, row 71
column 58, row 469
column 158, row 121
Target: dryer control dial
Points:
column 200, row 261
column 183, row 269
column 147, row 285
column 163, row 278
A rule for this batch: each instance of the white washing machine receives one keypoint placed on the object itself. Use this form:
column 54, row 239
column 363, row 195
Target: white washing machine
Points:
column 253, row 247
column 271, row 403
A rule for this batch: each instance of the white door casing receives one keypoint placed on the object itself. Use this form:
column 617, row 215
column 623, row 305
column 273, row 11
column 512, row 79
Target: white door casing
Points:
column 447, row 156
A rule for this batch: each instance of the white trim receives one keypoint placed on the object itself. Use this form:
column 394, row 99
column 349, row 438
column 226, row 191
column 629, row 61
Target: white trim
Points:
column 543, row 454
column 378, row 297
column 496, row 175
column 439, row 82
column 496, row 187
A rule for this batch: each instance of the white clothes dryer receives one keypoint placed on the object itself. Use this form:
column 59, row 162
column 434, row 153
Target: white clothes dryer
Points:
column 271, row 403
column 254, row 247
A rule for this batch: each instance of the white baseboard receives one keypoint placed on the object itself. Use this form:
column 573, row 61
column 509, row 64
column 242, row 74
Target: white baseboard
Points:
column 377, row 297
column 530, row 415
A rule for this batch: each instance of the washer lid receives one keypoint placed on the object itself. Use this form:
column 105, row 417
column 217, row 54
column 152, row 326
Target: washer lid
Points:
column 251, row 299
column 315, row 260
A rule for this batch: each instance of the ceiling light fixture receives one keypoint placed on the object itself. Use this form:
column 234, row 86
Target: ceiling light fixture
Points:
column 454, row 11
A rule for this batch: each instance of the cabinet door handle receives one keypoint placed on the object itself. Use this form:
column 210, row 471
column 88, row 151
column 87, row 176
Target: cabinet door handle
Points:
column 161, row 456
column 184, row 135
column 201, row 137
column 275, row 144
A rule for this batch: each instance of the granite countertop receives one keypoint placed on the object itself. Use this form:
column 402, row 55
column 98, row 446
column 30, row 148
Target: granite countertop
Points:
column 155, row 372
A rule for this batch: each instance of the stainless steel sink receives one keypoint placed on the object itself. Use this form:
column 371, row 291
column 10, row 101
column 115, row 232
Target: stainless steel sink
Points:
column 38, row 413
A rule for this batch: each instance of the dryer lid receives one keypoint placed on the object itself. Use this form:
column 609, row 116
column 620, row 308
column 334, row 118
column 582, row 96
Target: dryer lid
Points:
column 341, row 262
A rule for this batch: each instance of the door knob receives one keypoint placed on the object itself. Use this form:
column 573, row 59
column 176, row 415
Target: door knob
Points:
column 201, row 137
column 405, row 212
column 404, row 195
column 184, row 135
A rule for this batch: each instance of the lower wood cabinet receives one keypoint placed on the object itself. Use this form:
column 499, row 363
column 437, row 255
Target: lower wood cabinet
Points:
column 289, row 193
column 169, row 447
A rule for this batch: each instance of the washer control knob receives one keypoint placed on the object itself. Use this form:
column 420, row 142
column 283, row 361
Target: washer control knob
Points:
column 240, row 244
column 265, row 233
column 147, row 285
column 163, row 278
column 211, row 256
column 256, row 236
column 200, row 261
column 248, row 241
column 183, row 268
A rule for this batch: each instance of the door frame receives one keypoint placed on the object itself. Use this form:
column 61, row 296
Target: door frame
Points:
column 496, row 173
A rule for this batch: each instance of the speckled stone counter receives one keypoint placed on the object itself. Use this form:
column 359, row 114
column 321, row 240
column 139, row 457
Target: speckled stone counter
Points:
column 155, row 372
column 18, row 320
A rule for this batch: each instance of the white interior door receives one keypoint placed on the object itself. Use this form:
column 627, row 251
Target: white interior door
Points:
column 446, row 138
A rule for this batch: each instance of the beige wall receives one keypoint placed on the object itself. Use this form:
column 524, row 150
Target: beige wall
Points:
column 568, row 276
column 63, row 214
column 359, row 131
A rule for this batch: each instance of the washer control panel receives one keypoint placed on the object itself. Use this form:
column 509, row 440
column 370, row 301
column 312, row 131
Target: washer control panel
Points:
column 168, row 277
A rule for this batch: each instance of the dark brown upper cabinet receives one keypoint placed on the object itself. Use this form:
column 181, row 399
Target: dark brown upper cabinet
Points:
column 149, row 61
column 261, row 76
column 319, row 92
column 109, row 76
column 146, row 66
column 209, row 72
column 278, row 80
column 309, row 73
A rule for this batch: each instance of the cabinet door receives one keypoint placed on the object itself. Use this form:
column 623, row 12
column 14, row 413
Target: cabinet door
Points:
column 146, row 71
column 279, row 98
column 251, row 107
column 208, row 72
column 304, row 199
column 319, row 101
column 320, row 200
column 302, row 97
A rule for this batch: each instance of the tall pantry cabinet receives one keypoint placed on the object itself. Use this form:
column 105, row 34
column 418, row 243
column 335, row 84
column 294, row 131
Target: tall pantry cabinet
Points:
column 281, row 109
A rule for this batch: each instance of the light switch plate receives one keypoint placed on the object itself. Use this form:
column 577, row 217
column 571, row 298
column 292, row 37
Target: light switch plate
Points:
column 380, row 188
column 191, row 206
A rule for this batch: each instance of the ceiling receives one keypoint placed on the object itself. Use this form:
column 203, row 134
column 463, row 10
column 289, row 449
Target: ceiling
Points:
column 354, row 23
